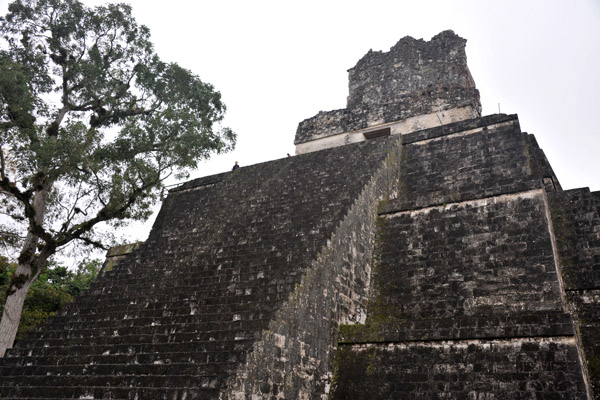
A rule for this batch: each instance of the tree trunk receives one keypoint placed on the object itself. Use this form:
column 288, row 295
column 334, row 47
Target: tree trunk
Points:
column 13, row 308
column 29, row 268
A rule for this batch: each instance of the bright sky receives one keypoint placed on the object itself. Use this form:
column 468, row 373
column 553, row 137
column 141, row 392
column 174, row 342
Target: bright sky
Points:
column 279, row 62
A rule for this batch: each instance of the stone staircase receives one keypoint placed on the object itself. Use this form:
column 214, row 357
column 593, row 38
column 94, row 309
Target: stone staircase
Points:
column 177, row 317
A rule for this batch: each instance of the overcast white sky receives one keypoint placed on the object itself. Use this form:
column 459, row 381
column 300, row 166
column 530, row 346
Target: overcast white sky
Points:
column 279, row 62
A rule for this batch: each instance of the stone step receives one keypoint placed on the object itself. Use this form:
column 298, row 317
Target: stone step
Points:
column 221, row 293
column 83, row 332
column 102, row 392
column 185, row 313
column 255, row 245
column 193, row 343
column 65, row 358
column 149, row 325
column 152, row 300
column 135, row 318
column 110, row 380
column 188, row 368
column 234, row 285
column 162, row 368
column 111, row 321
column 247, row 276
column 165, row 325
column 232, row 302
column 93, row 299
column 277, row 270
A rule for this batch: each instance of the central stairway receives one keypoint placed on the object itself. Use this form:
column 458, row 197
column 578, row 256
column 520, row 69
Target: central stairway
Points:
column 177, row 317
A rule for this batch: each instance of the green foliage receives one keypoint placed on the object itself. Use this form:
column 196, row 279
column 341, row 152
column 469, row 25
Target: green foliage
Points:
column 92, row 121
column 55, row 287
column 6, row 271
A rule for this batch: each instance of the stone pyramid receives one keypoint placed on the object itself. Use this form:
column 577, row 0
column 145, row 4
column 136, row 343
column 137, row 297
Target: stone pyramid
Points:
column 411, row 249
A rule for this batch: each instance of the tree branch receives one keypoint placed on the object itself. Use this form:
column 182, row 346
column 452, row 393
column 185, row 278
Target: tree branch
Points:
column 94, row 243
column 105, row 214
column 28, row 209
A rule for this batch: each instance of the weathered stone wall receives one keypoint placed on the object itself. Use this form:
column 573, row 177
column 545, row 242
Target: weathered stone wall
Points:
column 443, row 165
column 519, row 368
column 477, row 257
column 325, row 139
column 410, row 66
column 576, row 216
column 466, row 298
column 576, row 220
column 414, row 78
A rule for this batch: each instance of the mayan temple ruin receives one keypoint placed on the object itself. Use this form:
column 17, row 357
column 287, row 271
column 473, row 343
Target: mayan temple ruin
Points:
column 411, row 249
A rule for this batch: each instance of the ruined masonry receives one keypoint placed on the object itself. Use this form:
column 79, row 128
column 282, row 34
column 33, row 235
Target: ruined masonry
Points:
column 413, row 249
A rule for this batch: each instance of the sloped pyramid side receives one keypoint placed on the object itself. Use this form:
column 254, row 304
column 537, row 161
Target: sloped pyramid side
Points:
column 178, row 317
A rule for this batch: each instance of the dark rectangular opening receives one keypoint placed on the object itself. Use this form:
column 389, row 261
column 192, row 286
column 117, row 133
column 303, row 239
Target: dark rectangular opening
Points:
column 377, row 133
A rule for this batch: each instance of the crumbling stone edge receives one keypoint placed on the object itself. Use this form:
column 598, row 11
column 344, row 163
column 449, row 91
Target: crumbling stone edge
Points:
column 117, row 254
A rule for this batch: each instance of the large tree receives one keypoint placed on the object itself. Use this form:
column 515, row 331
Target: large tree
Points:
column 91, row 124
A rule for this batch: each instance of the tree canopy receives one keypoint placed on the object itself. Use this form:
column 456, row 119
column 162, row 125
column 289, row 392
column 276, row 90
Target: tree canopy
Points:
column 92, row 122
column 89, row 108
